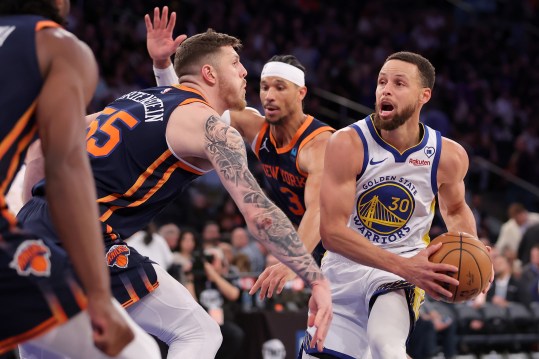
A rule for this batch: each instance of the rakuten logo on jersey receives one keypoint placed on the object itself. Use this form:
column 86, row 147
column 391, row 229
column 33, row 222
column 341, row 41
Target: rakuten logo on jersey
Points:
column 419, row 162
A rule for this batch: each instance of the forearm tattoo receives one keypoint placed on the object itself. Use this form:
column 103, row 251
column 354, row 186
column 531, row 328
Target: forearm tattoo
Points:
column 226, row 150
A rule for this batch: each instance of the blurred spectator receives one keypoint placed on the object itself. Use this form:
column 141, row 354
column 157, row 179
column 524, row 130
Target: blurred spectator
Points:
column 150, row 244
column 529, row 240
column 241, row 243
column 512, row 230
column 219, row 295
column 436, row 326
column 171, row 233
column 211, row 235
column 187, row 244
column 506, row 287
column 530, row 276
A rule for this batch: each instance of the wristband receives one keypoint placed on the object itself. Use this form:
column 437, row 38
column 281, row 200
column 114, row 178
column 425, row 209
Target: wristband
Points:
column 165, row 77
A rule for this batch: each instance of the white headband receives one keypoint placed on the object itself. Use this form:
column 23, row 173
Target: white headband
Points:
column 286, row 71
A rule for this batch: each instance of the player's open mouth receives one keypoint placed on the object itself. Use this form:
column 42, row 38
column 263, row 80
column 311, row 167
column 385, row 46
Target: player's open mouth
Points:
column 270, row 110
column 386, row 108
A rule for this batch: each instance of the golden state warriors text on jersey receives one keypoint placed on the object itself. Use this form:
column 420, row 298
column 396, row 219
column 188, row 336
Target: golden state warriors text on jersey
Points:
column 395, row 192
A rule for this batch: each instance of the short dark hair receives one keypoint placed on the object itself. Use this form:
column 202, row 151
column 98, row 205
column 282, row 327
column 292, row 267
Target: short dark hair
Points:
column 427, row 72
column 45, row 8
column 288, row 59
column 199, row 47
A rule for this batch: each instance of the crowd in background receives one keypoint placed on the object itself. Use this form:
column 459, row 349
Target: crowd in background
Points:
column 485, row 97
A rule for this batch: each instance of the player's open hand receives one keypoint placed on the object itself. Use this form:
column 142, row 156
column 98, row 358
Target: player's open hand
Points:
column 272, row 279
column 320, row 312
column 429, row 276
column 111, row 333
column 159, row 39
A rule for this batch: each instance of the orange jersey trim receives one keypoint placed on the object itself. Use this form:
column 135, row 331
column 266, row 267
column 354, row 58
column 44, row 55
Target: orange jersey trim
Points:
column 306, row 140
column 147, row 196
column 140, row 180
column 192, row 100
column 259, row 138
column 10, row 343
column 298, row 133
column 40, row 25
column 14, row 165
column 17, row 129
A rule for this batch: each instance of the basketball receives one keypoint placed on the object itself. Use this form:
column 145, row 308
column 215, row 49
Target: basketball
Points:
column 471, row 257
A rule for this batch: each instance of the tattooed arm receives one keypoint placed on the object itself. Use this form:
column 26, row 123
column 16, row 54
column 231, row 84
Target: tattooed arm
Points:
column 195, row 133
column 226, row 150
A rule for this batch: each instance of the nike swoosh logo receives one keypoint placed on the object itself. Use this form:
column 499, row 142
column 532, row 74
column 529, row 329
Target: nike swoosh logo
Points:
column 374, row 163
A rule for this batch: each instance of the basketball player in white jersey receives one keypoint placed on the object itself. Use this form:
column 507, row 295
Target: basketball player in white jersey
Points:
column 376, row 210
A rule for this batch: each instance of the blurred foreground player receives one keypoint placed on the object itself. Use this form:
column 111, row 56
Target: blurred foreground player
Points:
column 47, row 76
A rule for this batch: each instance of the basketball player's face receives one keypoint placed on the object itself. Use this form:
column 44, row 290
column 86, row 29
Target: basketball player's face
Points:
column 280, row 99
column 232, row 82
column 398, row 94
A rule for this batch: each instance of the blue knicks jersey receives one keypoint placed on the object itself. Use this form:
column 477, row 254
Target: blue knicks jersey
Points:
column 395, row 192
column 20, row 84
column 136, row 173
column 285, row 179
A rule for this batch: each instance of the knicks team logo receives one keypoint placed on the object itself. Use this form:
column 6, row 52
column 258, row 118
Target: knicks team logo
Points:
column 118, row 255
column 32, row 257
column 385, row 209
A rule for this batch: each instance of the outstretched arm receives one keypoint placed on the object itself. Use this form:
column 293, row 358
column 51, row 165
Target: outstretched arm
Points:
column 311, row 161
column 336, row 204
column 225, row 148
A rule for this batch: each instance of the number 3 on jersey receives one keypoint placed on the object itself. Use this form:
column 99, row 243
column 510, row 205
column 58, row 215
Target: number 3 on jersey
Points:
column 295, row 204
column 104, row 133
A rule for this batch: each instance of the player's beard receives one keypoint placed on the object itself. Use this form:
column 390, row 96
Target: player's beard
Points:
column 275, row 122
column 235, row 98
column 399, row 118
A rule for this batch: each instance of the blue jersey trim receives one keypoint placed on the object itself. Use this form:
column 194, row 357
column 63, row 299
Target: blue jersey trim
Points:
column 305, row 347
column 365, row 150
column 436, row 161
column 399, row 157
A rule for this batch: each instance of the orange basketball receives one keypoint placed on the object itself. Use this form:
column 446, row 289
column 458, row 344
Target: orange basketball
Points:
column 121, row 261
column 471, row 257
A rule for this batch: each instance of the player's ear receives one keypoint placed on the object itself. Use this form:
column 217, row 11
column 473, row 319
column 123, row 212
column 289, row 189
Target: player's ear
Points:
column 209, row 73
column 302, row 92
column 425, row 96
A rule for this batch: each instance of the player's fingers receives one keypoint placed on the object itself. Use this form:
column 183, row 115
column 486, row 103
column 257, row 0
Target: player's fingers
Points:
column 442, row 278
column 148, row 22
column 178, row 41
column 443, row 268
column 264, row 288
column 258, row 283
column 164, row 18
column 431, row 249
column 272, row 284
column 281, row 285
column 156, row 18
column 171, row 22
column 441, row 291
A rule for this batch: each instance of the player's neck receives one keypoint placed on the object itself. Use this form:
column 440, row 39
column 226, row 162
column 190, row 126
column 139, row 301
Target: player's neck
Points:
column 404, row 137
column 210, row 95
column 285, row 131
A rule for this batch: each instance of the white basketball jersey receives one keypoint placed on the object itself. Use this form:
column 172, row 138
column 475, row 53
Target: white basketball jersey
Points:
column 395, row 192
